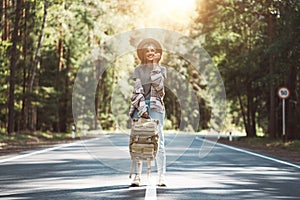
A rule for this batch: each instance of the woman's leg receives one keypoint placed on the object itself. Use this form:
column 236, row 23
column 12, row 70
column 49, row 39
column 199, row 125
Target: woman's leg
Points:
column 161, row 154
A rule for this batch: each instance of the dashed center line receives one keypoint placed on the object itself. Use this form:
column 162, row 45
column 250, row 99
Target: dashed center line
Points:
column 151, row 189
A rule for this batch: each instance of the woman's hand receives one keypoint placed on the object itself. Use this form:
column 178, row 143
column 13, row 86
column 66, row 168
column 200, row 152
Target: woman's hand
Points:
column 145, row 115
column 156, row 58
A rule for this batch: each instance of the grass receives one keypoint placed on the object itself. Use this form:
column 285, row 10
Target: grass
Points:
column 52, row 136
column 22, row 141
column 293, row 145
column 44, row 136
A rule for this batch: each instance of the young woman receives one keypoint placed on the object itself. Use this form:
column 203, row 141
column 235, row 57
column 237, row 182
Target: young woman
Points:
column 147, row 99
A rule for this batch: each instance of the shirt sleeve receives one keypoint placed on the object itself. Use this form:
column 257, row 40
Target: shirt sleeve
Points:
column 157, row 78
column 136, row 73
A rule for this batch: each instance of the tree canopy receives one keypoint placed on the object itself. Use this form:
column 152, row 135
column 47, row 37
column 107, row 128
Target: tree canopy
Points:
column 253, row 44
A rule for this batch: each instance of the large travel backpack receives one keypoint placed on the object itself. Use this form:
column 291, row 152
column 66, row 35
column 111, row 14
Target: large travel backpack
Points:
column 143, row 144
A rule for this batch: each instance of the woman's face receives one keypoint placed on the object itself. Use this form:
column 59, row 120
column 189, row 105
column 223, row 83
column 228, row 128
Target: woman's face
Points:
column 149, row 53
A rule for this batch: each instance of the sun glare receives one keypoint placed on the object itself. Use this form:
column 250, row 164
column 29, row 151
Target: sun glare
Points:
column 172, row 11
column 180, row 5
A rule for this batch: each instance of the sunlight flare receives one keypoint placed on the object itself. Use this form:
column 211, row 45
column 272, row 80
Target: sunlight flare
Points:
column 171, row 12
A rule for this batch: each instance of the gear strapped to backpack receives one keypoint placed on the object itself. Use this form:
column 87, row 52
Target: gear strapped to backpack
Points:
column 143, row 144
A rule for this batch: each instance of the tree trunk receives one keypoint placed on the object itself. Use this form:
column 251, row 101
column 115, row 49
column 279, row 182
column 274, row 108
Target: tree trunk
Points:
column 5, row 24
column 24, row 112
column 97, row 103
column 271, row 125
column 64, row 99
column 2, row 6
column 59, row 86
column 38, row 50
column 291, row 114
column 33, row 109
column 251, row 112
column 243, row 113
column 13, row 60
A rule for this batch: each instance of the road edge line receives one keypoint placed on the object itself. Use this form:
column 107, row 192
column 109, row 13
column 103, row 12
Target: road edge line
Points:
column 255, row 154
column 35, row 152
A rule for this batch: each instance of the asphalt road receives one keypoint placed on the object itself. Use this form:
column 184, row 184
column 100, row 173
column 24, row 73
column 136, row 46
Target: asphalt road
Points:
column 98, row 169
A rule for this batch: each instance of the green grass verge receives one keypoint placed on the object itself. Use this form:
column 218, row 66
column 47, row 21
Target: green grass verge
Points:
column 44, row 136
column 293, row 145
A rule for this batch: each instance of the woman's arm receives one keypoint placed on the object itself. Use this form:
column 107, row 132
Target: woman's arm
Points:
column 138, row 101
column 158, row 74
column 157, row 78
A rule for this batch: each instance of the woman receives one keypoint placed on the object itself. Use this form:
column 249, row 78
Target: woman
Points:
column 147, row 99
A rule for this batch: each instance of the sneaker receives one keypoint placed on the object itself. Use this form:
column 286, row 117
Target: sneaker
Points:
column 162, row 181
column 136, row 181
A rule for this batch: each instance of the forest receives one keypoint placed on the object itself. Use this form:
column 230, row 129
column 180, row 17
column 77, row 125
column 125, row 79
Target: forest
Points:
column 254, row 45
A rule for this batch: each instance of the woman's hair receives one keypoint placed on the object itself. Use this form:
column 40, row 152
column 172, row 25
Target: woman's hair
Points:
column 142, row 48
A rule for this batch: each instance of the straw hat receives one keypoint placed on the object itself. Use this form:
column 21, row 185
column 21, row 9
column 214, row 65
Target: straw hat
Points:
column 152, row 41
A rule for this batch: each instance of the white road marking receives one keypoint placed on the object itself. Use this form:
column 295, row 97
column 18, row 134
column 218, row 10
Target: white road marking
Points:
column 151, row 193
column 151, row 189
column 254, row 154
column 38, row 152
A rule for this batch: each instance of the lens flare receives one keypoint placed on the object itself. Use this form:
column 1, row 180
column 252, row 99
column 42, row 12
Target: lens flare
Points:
column 170, row 12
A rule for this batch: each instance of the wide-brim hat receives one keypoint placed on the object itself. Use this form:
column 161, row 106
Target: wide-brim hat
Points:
column 152, row 41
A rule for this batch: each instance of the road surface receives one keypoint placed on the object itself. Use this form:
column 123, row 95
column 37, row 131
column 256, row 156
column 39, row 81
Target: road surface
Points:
column 98, row 169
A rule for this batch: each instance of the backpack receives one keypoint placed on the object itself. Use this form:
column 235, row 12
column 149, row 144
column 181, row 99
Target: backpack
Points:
column 143, row 144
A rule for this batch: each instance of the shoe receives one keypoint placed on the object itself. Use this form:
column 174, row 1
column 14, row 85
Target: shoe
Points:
column 162, row 181
column 136, row 181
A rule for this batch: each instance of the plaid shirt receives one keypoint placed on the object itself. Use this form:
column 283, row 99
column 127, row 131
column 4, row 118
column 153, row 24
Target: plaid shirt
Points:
column 157, row 93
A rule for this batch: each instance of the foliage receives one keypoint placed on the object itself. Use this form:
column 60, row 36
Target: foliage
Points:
column 245, row 39
column 254, row 44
